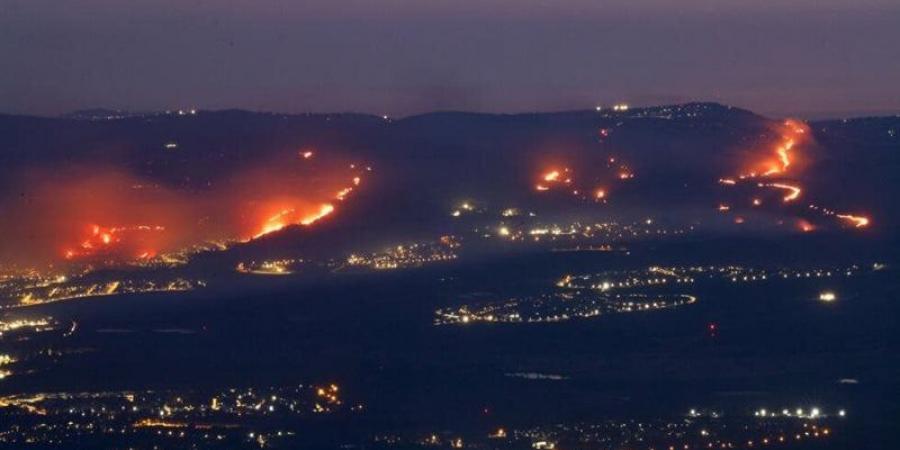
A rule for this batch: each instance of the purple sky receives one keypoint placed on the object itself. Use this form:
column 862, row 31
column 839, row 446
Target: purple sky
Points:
column 400, row 57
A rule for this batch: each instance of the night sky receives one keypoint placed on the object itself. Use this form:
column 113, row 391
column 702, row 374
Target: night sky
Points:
column 804, row 57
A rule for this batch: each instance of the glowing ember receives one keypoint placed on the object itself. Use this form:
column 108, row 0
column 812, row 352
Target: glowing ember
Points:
column 290, row 216
column 857, row 221
column 805, row 226
column 791, row 131
column 783, row 154
column 103, row 240
column 324, row 210
column 590, row 186
column 551, row 176
column 343, row 193
column 275, row 223
column 793, row 191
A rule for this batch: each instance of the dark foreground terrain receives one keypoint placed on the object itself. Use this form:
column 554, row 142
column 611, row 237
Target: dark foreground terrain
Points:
column 693, row 375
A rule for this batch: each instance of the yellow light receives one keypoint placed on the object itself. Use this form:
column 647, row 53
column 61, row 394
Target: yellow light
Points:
column 793, row 191
column 324, row 210
column 858, row 221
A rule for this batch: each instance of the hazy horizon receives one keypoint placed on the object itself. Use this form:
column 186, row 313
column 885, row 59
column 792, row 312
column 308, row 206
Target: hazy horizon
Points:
column 808, row 115
column 401, row 58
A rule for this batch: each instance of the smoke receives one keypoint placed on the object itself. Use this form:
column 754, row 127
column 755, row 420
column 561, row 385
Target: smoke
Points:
column 780, row 158
column 105, row 213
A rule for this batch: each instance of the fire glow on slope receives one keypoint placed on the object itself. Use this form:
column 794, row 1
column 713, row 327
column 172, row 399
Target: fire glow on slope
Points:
column 77, row 213
column 290, row 216
column 593, row 186
column 793, row 191
column 782, row 159
column 295, row 211
column 856, row 221
column 791, row 133
column 104, row 214
column 99, row 239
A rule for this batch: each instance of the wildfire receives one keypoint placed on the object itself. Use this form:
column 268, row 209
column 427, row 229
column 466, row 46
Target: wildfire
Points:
column 290, row 216
column 99, row 239
column 275, row 222
column 147, row 254
column 324, row 210
column 783, row 154
column 586, row 187
column 793, row 191
column 107, row 215
column 343, row 193
column 805, row 226
column 551, row 177
column 791, row 132
column 857, row 221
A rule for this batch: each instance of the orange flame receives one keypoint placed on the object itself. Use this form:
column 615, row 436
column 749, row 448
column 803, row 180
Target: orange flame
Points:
column 805, row 226
column 288, row 216
column 324, row 210
column 792, row 131
column 857, row 221
column 793, row 191
column 99, row 239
